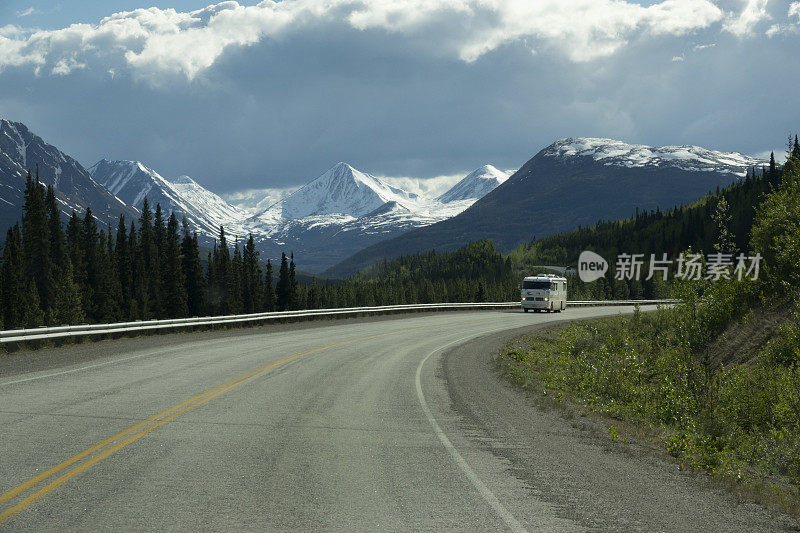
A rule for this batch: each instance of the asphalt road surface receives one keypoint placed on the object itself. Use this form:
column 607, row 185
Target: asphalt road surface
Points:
column 359, row 425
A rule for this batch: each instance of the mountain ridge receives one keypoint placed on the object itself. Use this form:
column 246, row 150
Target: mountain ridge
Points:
column 565, row 186
column 21, row 151
column 132, row 181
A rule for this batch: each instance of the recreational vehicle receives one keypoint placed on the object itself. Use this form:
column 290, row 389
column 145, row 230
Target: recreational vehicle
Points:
column 546, row 292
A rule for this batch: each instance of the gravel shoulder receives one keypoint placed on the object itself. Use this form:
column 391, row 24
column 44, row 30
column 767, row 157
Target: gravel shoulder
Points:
column 570, row 462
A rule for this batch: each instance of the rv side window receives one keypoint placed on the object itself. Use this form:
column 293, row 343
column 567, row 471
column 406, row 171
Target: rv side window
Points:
column 539, row 285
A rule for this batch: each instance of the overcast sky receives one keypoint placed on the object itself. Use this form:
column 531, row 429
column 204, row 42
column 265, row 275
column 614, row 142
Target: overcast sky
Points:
column 254, row 95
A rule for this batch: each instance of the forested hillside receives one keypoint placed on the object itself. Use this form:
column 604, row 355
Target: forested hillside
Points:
column 715, row 379
column 153, row 268
column 570, row 183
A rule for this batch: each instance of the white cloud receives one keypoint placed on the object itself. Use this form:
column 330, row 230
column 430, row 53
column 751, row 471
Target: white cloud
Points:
column 154, row 42
column 676, row 59
column 9, row 30
column 744, row 24
column 255, row 201
column 425, row 187
column 26, row 12
column 791, row 27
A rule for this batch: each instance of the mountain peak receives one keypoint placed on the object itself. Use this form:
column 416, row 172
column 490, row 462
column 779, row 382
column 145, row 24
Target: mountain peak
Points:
column 21, row 151
column 340, row 190
column 131, row 181
column 475, row 185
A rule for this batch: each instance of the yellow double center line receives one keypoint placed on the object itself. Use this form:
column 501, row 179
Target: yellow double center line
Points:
column 133, row 433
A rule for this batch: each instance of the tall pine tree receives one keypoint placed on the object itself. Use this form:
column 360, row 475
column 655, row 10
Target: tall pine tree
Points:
column 282, row 291
column 268, row 303
column 193, row 271
column 173, row 283
column 36, row 241
column 148, row 252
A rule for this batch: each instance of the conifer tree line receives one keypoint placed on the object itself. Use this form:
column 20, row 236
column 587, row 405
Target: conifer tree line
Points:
column 151, row 268
column 52, row 274
column 721, row 221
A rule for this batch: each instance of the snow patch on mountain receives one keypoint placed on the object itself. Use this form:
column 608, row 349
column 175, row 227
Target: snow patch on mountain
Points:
column 132, row 181
column 21, row 151
column 475, row 185
column 342, row 190
column 617, row 153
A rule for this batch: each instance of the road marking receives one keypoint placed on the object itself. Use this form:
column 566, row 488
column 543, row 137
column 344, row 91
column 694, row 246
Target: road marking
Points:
column 87, row 367
column 512, row 523
column 142, row 428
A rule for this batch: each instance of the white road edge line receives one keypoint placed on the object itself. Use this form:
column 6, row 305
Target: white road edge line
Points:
column 512, row 523
column 87, row 367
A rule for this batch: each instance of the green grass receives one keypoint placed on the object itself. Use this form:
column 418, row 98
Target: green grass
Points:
column 738, row 423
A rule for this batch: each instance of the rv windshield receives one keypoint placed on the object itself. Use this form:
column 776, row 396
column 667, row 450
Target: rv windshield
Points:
column 541, row 285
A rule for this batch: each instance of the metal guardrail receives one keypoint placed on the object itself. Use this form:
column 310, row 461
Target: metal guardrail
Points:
column 58, row 332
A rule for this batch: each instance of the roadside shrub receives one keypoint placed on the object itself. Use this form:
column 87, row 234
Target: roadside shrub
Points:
column 729, row 421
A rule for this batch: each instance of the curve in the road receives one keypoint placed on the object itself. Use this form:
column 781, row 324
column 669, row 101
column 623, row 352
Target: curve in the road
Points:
column 512, row 523
column 369, row 436
column 113, row 444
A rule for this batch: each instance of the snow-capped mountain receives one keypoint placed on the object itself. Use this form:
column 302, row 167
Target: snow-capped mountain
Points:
column 344, row 210
column 132, row 181
column 21, row 150
column 333, row 216
column 573, row 182
column 476, row 185
column 617, row 153
column 341, row 190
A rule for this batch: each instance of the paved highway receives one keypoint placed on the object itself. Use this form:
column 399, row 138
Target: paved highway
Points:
column 360, row 425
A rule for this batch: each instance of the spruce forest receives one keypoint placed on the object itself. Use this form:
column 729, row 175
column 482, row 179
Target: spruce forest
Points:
column 151, row 268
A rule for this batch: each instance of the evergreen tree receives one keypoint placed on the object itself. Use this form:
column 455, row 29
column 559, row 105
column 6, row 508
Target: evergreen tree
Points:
column 139, row 298
column 58, row 247
column 89, row 258
column 100, row 297
column 235, row 281
column 293, row 302
column 32, row 315
column 222, row 275
column 12, row 280
column 67, row 308
column 772, row 166
column 74, row 249
column 159, row 231
column 251, row 278
column 796, row 149
column 36, row 241
column 149, row 264
column 268, row 303
column 480, row 296
column 193, row 271
column 282, row 291
column 173, row 280
column 110, row 283
column 211, row 276
column 123, row 261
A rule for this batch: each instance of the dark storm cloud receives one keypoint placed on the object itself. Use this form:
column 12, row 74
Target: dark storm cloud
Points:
column 401, row 100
